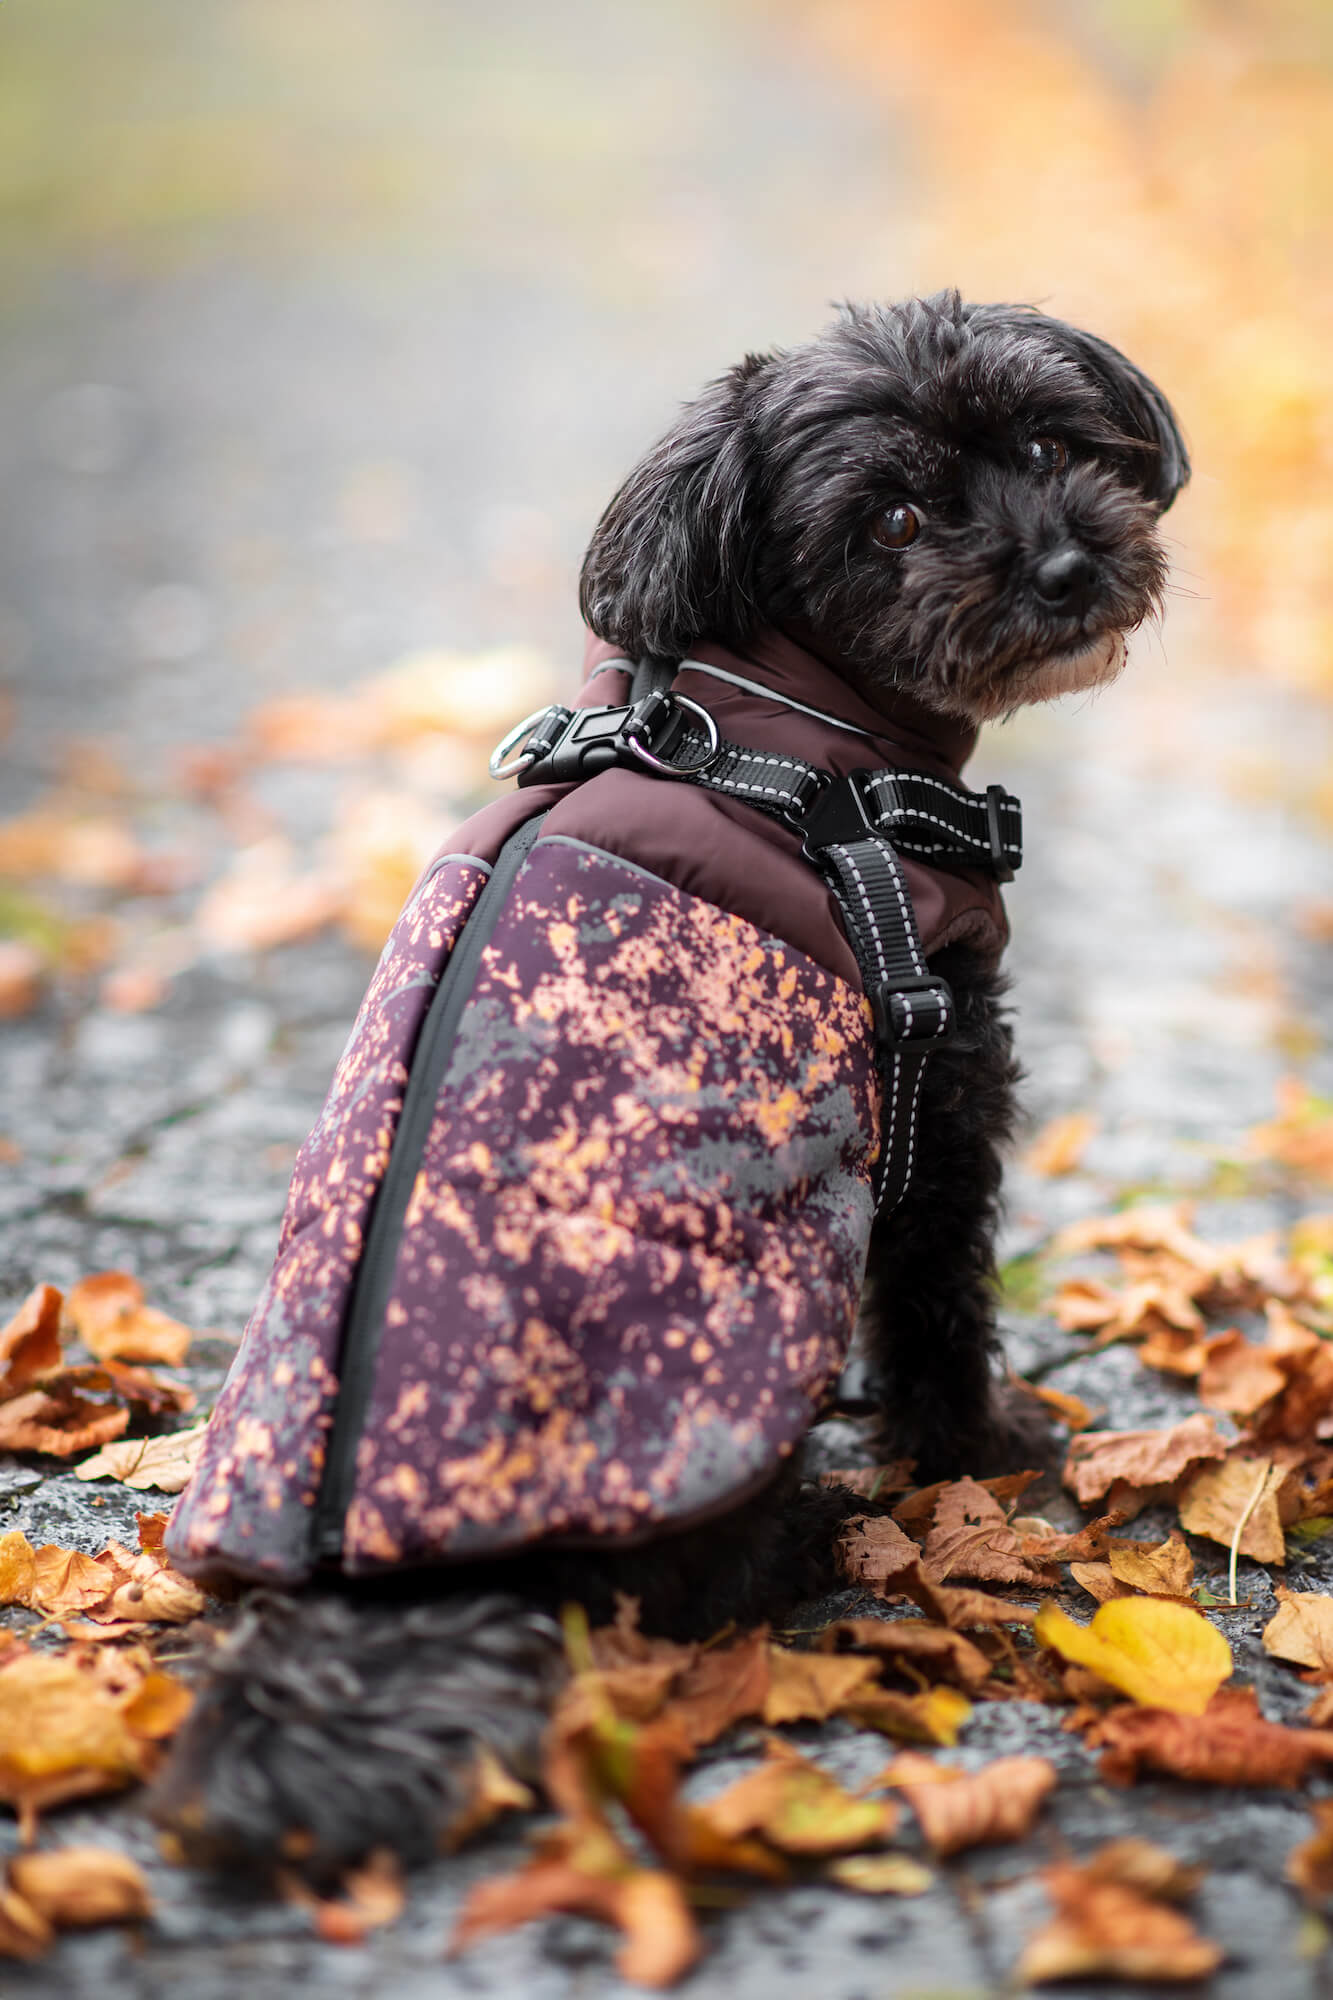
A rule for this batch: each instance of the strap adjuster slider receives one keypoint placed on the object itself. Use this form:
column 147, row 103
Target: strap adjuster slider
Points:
column 901, row 1024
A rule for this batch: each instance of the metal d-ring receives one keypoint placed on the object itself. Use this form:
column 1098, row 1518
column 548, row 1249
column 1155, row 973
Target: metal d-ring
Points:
column 497, row 766
column 679, row 770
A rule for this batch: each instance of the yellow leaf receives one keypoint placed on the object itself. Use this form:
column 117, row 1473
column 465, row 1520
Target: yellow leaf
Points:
column 1160, row 1654
column 880, row 1874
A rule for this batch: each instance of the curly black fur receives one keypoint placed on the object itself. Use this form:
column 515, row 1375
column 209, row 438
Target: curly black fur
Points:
column 353, row 1721
column 759, row 506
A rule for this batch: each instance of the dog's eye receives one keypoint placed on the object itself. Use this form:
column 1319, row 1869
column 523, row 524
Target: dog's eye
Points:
column 1046, row 455
column 899, row 527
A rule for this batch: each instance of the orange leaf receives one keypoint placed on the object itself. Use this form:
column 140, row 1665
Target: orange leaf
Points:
column 1106, row 1928
column 58, row 1423
column 809, row 1687
column 1237, row 1376
column 971, row 1537
column 108, row 1313
column 77, row 1887
column 1060, row 1145
column 915, row 1643
column 1301, row 1630
column 65, row 1733
column 798, row 1808
column 372, row 1897
column 1310, row 1865
column 1219, row 1497
column 1166, row 1571
column 23, row 1934
column 30, row 1343
column 933, row 1717
column 998, row 1802
column 1162, row 1654
column 1100, row 1460
column 1229, row 1744
column 158, row 1464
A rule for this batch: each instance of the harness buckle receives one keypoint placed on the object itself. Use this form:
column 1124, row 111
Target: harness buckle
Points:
column 564, row 745
column 899, row 1024
column 837, row 812
column 1001, row 867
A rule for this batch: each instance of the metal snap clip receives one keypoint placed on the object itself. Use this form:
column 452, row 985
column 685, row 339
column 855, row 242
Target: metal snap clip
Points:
column 497, row 766
column 677, row 770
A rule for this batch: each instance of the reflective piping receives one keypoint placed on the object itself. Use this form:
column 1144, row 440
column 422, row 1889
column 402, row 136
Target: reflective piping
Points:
column 750, row 687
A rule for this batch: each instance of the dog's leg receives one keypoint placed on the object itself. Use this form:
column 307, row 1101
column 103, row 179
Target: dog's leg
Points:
column 928, row 1309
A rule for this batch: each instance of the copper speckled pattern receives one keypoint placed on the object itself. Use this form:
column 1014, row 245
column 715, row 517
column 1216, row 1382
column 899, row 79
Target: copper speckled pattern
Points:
column 635, row 1242
column 249, row 1505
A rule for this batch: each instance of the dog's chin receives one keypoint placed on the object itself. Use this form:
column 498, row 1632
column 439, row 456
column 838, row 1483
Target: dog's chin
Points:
column 1093, row 665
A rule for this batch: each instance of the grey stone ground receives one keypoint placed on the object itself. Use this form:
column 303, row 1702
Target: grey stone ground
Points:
column 191, row 424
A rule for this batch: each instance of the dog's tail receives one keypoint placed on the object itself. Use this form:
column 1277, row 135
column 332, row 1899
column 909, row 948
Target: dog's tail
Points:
column 331, row 1727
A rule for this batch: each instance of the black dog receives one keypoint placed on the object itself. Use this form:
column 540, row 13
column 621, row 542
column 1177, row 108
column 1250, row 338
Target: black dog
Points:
column 957, row 502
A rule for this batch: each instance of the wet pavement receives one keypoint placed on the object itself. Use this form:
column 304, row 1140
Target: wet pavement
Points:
column 287, row 464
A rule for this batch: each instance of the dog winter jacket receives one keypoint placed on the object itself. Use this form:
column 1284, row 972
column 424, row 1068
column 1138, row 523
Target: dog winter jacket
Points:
column 574, row 1253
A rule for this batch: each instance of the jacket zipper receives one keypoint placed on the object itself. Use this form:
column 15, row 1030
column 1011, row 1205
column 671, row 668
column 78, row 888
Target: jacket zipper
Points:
column 373, row 1284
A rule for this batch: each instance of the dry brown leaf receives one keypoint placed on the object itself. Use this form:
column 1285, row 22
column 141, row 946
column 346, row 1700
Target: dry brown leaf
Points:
column 724, row 1685
column 494, row 1791
column 67, row 1731
column 1060, row 1145
column 160, row 1464
column 1310, row 1865
column 23, row 1934
column 78, row 1887
column 117, row 1584
column 373, row 1896
column 971, row 1537
column 1147, row 1226
column 1160, row 1653
column 933, row 1717
column 58, row 1424
column 998, row 1802
column 916, row 1511
column 1071, row 1410
column 809, row 1687
column 1104, row 1928
column 798, row 1809
column 584, row 1872
column 1043, row 1545
column 1301, row 1630
column 880, row 1874
column 1229, row 1744
column 1099, row 1461
column 1166, row 1571
column 1099, row 1580
column 1219, row 1497
column 1301, row 1136
column 1237, row 1376
column 873, row 1482
column 1172, row 1352
column 30, row 1343
column 914, row 1644
column 875, row 1552
column 108, row 1313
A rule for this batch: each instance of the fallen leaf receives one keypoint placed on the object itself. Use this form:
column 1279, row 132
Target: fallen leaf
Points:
column 1100, row 1460
column 582, row 1872
column 933, row 1717
column 1140, row 1864
column 798, row 1808
column 1219, row 1497
column 57, row 1424
column 1104, row 1928
column 78, row 1887
column 970, row 1537
column 1166, row 1571
column 912, row 1643
column 1301, row 1136
column 872, row 1481
column 880, row 1874
column 1238, row 1376
column 809, row 1687
column 23, row 1934
column 108, row 1314
column 372, row 1897
column 494, row 1790
column 117, row 1584
column 1100, row 1581
column 916, row 1511
column 1071, row 1410
column 724, row 1685
column 874, row 1551
column 1229, row 1744
column 1161, row 1654
column 160, row 1464
column 998, row 1802
column 1310, row 1865
column 1060, row 1145
column 30, row 1343
column 1301, row 1630
column 66, row 1733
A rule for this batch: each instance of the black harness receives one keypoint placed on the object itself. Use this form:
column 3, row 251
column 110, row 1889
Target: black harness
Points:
column 852, row 831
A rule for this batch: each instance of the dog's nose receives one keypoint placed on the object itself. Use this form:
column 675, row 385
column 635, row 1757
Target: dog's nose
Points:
column 1064, row 577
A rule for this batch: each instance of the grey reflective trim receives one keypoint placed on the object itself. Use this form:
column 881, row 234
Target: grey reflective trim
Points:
column 783, row 700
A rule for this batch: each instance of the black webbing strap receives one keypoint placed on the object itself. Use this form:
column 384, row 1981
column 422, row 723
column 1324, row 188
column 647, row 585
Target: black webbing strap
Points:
column 850, row 828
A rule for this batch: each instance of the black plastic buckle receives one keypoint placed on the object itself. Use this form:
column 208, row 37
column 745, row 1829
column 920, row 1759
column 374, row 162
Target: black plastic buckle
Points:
column 837, row 812
column 595, row 739
column 914, row 1029
column 1001, row 867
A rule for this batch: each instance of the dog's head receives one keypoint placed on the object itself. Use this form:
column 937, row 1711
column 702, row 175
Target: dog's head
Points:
column 957, row 499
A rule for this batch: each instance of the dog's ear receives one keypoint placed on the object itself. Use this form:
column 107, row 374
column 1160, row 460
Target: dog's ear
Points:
column 1137, row 406
column 671, row 561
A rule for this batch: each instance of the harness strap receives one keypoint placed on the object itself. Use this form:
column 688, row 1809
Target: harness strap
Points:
column 852, row 830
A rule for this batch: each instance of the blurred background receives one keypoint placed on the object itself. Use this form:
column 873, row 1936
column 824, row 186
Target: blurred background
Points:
column 328, row 326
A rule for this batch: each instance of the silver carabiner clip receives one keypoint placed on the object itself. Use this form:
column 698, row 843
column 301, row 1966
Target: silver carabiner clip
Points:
column 679, row 770
column 497, row 766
